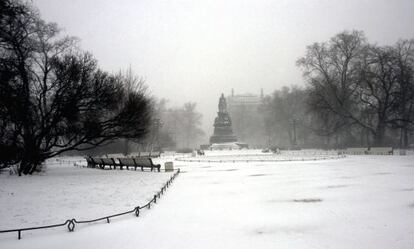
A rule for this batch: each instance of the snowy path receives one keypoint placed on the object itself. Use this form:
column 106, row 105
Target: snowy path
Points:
column 356, row 202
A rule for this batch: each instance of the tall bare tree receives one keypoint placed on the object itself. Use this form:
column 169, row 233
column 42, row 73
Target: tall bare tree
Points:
column 332, row 71
column 53, row 97
column 361, row 87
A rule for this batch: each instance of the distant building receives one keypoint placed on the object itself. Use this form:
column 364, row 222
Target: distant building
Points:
column 244, row 110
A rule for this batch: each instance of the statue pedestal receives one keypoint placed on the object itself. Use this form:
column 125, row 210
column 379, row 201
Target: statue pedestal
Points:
column 223, row 132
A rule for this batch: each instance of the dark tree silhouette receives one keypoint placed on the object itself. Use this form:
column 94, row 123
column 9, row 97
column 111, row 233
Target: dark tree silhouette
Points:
column 53, row 97
column 356, row 84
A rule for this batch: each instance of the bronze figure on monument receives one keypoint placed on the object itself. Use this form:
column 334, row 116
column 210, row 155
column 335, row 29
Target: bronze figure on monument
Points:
column 223, row 132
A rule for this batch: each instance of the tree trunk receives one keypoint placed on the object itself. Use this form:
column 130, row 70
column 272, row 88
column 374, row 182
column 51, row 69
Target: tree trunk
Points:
column 32, row 158
column 379, row 134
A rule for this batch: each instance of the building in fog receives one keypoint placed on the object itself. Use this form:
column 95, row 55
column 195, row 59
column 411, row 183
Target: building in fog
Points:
column 244, row 110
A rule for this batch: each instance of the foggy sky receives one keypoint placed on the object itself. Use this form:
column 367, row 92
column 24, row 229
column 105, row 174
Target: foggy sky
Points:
column 196, row 49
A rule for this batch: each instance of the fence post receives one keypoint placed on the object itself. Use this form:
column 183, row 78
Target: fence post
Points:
column 71, row 225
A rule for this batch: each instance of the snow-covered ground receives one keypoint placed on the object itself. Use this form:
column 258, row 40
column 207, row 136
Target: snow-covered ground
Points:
column 64, row 191
column 258, row 156
column 354, row 202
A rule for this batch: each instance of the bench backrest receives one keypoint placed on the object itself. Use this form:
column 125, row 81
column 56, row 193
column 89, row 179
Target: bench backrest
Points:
column 127, row 161
column 96, row 160
column 107, row 161
column 144, row 161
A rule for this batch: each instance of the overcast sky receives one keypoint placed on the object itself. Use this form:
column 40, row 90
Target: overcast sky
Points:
column 193, row 50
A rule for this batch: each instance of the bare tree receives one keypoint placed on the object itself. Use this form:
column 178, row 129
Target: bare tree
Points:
column 132, row 83
column 58, row 98
column 404, row 62
column 191, row 124
column 357, row 86
column 181, row 125
column 285, row 116
column 377, row 91
column 332, row 71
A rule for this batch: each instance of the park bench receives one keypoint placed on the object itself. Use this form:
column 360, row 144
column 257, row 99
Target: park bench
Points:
column 142, row 162
column 91, row 162
column 96, row 161
column 108, row 162
column 381, row 151
column 127, row 162
column 356, row 151
column 146, row 162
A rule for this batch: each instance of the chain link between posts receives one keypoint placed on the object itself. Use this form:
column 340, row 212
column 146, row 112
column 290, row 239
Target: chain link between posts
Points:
column 71, row 223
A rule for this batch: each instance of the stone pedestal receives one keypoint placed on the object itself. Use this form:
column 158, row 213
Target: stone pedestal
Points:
column 223, row 132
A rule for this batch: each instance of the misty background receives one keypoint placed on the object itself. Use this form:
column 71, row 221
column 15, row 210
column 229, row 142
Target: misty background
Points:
column 195, row 50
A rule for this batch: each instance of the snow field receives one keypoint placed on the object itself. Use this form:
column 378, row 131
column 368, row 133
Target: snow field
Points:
column 354, row 202
column 64, row 191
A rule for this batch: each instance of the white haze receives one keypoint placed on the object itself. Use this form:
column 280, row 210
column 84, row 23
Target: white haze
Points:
column 195, row 50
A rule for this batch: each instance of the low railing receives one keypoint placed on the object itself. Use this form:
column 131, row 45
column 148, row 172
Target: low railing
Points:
column 71, row 223
column 256, row 160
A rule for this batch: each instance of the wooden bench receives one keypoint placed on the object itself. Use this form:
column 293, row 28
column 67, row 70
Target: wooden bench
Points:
column 97, row 161
column 142, row 162
column 91, row 162
column 107, row 162
column 146, row 162
column 127, row 162
column 381, row 151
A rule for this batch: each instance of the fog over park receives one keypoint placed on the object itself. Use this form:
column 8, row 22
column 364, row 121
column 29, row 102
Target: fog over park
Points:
column 206, row 124
column 195, row 50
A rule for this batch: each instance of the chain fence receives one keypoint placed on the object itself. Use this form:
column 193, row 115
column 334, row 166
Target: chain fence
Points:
column 71, row 223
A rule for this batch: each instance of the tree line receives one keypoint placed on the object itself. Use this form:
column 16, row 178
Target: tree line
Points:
column 356, row 94
column 180, row 126
column 53, row 96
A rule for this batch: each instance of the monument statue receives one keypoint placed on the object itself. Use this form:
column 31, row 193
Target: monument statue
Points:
column 223, row 132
